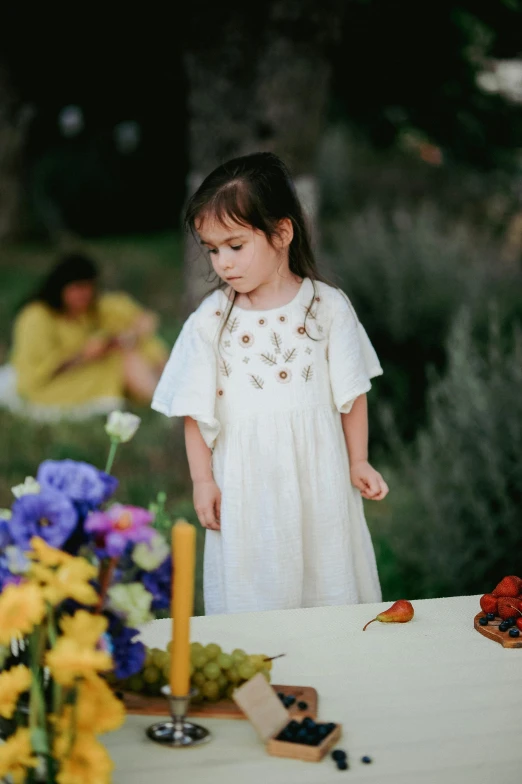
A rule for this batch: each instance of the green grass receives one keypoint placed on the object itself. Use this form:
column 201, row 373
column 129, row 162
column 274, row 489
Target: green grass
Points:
column 150, row 269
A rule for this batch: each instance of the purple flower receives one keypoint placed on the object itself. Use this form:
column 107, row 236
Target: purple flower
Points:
column 49, row 515
column 80, row 482
column 128, row 655
column 159, row 583
column 119, row 525
column 5, row 534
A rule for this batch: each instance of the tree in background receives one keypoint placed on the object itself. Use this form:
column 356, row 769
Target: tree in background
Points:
column 258, row 79
column 14, row 122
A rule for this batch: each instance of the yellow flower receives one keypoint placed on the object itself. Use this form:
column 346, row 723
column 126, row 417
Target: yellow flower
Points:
column 47, row 555
column 69, row 581
column 97, row 709
column 16, row 755
column 84, row 627
column 69, row 660
column 21, row 608
column 13, row 682
column 88, row 762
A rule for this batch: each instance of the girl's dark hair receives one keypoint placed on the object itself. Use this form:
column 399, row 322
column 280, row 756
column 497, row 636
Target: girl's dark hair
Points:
column 72, row 268
column 256, row 191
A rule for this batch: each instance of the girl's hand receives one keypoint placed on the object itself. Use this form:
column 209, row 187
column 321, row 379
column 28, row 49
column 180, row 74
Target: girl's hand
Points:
column 368, row 481
column 207, row 503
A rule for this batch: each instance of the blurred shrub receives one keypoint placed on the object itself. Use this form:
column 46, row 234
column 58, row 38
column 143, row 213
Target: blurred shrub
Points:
column 407, row 275
column 456, row 527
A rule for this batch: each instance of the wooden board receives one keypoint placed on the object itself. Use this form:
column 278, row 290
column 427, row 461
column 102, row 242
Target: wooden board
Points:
column 224, row 709
column 492, row 631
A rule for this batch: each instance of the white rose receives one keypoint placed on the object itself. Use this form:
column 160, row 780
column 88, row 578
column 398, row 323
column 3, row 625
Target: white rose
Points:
column 29, row 487
column 122, row 426
column 132, row 601
column 149, row 555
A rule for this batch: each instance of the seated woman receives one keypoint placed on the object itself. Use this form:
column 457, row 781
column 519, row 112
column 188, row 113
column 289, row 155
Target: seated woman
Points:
column 78, row 350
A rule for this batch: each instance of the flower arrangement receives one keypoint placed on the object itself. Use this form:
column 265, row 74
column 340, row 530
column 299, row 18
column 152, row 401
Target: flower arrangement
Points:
column 78, row 574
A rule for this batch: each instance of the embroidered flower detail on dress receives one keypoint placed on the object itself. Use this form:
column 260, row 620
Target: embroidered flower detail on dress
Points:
column 301, row 331
column 246, row 360
column 220, row 392
column 308, row 372
column 246, row 339
column 233, row 325
column 268, row 358
column 226, row 343
column 317, row 299
column 275, row 337
column 308, row 350
column 319, row 328
column 284, row 375
column 282, row 318
column 309, row 313
column 225, row 368
column 257, row 382
column 218, row 313
column 262, row 322
column 290, row 355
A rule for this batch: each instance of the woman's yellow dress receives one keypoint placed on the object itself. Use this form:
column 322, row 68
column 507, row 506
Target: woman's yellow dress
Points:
column 44, row 341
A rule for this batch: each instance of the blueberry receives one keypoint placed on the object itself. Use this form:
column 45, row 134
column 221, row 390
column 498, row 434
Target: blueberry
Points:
column 512, row 620
column 302, row 705
column 309, row 723
column 285, row 736
column 503, row 627
column 338, row 754
column 483, row 621
column 289, row 701
column 293, row 726
column 514, row 632
column 490, row 616
column 301, row 734
column 366, row 760
column 330, row 727
column 322, row 731
column 281, row 695
column 342, row 765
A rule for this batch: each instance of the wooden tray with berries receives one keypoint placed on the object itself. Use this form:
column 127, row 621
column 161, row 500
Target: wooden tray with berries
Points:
column 300, row 701
column 501, row 616
column 494, row 632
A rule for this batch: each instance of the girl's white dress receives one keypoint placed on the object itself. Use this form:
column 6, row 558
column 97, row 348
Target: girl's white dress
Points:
column 268, row 402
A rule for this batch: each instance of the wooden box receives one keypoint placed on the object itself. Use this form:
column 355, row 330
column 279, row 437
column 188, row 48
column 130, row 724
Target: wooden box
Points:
column 269, row 717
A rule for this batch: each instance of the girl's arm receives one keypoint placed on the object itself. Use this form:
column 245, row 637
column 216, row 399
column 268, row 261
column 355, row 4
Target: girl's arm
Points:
column 363, row 476
column 207, row 496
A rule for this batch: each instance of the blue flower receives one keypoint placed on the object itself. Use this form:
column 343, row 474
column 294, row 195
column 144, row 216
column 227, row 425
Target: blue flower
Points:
column 5, row 534
column 49, row 515
column 81, row 482
column 159, row 583
column 128, row 655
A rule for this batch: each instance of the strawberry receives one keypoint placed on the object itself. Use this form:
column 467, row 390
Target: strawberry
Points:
column 508, row 586
column 489, row 603
column 508, row 607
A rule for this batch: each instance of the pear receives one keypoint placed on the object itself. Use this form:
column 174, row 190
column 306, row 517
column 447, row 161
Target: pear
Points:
column 400, row 612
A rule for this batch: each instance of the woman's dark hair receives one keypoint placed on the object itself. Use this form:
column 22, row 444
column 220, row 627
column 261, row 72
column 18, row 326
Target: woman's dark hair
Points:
column 72, row 268
column 256, row 191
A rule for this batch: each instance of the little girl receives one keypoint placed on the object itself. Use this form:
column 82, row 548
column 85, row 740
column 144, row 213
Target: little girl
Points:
column 271, row 374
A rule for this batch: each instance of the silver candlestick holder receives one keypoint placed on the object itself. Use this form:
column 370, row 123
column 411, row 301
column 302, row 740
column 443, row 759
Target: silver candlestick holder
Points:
column 177, row 732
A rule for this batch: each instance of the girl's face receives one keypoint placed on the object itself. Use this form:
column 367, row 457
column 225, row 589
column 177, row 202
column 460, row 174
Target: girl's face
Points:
column 242, row 256
column 78, row 297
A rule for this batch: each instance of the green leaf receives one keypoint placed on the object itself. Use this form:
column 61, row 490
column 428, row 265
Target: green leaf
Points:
column 39, row 741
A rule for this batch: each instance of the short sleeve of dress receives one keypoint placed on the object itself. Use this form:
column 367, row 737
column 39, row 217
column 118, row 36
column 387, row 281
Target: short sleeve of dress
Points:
column 187, row 386
column 352, row 358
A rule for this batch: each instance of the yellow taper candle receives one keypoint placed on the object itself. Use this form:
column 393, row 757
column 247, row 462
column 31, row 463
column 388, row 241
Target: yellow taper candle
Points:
column 183, row 562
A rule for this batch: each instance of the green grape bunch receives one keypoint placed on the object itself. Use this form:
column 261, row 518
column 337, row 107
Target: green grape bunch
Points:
column 214, row 674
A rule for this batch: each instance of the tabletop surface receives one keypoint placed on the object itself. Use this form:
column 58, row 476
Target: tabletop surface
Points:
column 431, row 701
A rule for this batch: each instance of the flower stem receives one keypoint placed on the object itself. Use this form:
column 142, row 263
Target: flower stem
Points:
column 112, row 454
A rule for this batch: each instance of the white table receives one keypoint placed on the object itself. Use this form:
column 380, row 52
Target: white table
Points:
column 431, row 701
